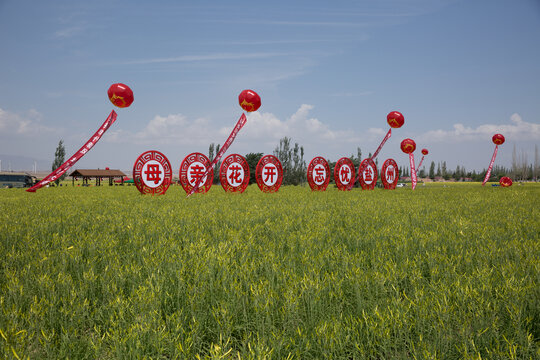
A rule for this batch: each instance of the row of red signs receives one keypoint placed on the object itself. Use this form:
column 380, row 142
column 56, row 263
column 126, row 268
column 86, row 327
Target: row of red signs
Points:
column 152, row 173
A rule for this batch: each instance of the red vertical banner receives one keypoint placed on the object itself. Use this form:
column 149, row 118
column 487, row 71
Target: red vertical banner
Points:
column 490, row 167
column 413, row 170
column 497, row 139
column 388, row 134
column 408, row 146
column 79, row 154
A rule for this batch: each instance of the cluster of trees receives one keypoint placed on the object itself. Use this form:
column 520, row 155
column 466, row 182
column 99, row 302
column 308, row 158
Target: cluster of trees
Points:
column 291, row 158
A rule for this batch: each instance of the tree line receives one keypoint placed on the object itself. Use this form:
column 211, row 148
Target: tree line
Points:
column 295, row 168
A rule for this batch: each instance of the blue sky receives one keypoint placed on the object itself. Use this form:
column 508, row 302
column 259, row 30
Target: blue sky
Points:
column 328, row 73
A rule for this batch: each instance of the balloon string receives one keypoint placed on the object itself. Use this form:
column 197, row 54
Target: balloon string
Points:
column 79, row 154
column 239, row 124
column 488, row 174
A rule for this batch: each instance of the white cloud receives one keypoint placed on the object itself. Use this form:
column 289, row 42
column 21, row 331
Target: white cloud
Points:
column 517, row 130
column 262, row 132
column 28, row 124
column 170, row 129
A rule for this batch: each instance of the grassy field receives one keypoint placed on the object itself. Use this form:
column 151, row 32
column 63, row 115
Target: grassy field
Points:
column 439, row 273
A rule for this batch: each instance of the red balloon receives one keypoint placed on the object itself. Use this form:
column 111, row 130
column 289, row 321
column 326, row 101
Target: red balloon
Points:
column 395, row 119
column 425, row 151
column 505, row 181
column 408, row 146
column 120, row 95
column 249, row 100
column 498, row 139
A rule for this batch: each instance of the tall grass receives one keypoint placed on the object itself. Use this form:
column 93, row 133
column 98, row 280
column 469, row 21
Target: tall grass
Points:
column 441, row 272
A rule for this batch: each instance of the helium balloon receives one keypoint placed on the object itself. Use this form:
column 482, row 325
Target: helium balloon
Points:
column 505, row 181
column 120, row 95
column 425, row 151
column 498, row 139
column 395, row 119
column 249, row 100
column 408, row 146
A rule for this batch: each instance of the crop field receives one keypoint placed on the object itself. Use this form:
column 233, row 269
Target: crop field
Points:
column 442, row 272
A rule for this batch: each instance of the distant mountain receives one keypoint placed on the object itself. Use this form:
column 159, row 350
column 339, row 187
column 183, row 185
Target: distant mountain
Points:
column 23, row 163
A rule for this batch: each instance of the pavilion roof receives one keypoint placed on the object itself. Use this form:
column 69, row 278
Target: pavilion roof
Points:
column 97, row 173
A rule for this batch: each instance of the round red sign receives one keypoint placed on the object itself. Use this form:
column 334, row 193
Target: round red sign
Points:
column 390, row 174
column 505, row 181
column 269, row 174
column 318, row 174
column 234, row 173
column 192, row 168
column 344, row 174
column 152, row 173
column 368, row 174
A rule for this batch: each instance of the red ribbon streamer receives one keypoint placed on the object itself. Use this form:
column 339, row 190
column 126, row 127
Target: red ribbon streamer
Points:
column 488, row 174
column 421, row 160
column 413, row 171
column 241, row 122
column 388, row 134
column 79, row 154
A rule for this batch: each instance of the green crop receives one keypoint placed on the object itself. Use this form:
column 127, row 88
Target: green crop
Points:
column 440, row 273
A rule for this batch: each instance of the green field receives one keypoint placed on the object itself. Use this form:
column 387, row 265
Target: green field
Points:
column 439, row 273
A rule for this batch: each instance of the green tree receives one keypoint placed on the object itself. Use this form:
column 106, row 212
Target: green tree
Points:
column 292, row 161
column 59, row 159
column 432, row 170
column 444, row 171
column 211, row 156
column 252, row 160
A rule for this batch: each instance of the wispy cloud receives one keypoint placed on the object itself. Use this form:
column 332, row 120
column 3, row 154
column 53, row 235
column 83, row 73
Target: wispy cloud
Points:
column 68, row 32
column 208, row 57
column 352, row 94
column 26, row 125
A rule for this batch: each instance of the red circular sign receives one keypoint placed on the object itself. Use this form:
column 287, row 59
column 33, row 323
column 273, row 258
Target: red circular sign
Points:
column 368, row 174
column 249, row 100
column 192, row 168
column 505, row 181
column 395, row 119
column 390, row 174
column 269, row 174
column 344, row 174
column 234, row 173
column 498, row 139
column 120, row 95
column 318, row 174
column 425, row 151
column 408, row 146
column 152, row 173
